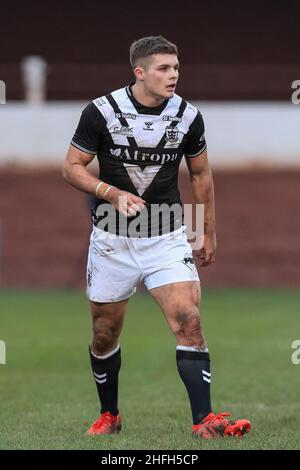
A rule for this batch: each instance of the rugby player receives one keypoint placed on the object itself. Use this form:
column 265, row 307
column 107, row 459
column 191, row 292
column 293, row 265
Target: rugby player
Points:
column 140, row 134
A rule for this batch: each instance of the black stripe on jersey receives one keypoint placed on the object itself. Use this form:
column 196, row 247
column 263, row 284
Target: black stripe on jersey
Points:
column 179, row 114
column 122, row 120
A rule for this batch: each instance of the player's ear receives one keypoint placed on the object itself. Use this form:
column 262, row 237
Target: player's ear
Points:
column 139, row 73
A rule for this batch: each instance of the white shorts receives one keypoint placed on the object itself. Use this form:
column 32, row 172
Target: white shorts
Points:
column 116, row 265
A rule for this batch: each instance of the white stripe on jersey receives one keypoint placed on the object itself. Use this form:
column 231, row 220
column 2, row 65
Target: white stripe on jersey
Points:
column 141, row 178
column 145, row 135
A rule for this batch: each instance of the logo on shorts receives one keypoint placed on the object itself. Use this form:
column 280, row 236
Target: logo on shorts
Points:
column 188, row 261
column 106, row 251
column 89, row 277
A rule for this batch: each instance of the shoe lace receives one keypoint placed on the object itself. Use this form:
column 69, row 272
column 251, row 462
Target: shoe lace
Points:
column 222, row 414
column 218, row 417
column 105, row 420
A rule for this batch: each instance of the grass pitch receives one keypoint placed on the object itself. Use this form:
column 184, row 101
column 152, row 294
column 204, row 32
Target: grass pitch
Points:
column 48, row 398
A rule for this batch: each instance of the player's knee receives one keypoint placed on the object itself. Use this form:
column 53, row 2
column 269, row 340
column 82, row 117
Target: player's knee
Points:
column 188, row 326
column 104, row 339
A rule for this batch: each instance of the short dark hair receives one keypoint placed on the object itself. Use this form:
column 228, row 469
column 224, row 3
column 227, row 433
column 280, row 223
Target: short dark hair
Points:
column 145, row 47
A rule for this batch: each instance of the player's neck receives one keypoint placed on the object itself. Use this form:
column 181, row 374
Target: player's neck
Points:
column 144, row 98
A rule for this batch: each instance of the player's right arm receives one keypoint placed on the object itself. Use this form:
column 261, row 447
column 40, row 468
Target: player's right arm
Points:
column 81, row 152
column 76, row 173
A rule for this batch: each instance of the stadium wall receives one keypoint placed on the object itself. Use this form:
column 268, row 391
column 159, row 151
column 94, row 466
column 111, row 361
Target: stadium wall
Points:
column 239, row 134
column 45, row 223
column 45, row 226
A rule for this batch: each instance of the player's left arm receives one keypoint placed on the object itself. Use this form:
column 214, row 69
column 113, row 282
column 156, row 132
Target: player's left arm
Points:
column 202, row 185
column 203, row 193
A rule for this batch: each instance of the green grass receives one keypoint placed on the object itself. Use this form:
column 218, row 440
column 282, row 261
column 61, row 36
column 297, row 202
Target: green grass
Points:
column 48, row 398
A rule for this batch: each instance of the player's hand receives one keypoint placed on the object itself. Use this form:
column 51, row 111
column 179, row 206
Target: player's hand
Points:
column 126, row 203
column 207, row 253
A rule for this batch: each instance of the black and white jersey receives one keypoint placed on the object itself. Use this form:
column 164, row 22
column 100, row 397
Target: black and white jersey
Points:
column 139, row 148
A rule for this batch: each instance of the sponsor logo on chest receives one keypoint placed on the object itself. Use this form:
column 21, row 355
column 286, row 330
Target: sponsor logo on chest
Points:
column 146, row 157
column 123, row 130
column 125, row 115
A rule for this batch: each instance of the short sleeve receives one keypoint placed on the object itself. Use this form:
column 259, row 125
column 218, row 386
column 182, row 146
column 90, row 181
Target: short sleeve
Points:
column 89, row 130
column 195, row 137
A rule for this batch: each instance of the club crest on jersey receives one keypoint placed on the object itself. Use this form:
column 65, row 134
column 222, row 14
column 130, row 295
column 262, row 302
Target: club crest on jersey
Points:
column 171, row 134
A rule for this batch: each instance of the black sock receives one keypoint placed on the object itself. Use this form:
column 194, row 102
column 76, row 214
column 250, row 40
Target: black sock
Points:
column 194, row 369
column 106, row 372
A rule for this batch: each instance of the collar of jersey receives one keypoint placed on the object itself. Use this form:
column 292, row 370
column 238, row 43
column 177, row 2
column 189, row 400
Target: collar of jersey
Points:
column 141, row 109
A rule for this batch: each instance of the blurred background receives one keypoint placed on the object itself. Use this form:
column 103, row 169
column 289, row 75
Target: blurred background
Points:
column 238, row 64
